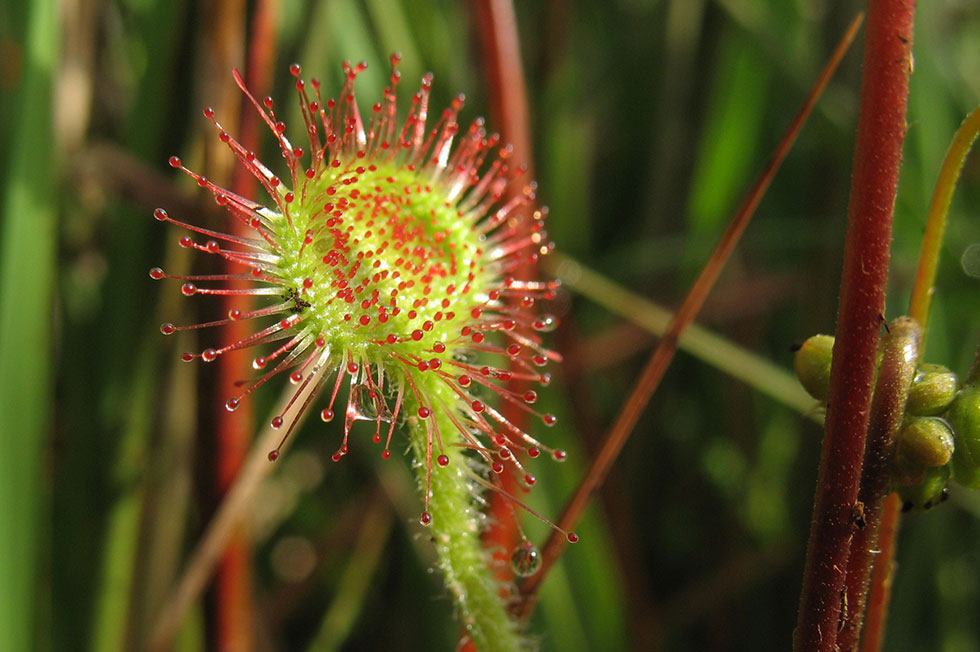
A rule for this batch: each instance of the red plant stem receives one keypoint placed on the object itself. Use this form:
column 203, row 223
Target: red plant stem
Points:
column 233, row 581
column 497, row 26
column 505, row 76
column 877, row 156
column 881, row 576
column 899, row 357
column 654, row 371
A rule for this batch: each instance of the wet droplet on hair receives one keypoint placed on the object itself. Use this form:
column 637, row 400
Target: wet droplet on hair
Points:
column 365, row 404
column 526, row 559
column 546, row 324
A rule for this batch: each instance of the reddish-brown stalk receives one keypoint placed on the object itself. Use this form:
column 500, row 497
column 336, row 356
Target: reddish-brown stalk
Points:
column 501, row 55
column 880, row 133
column 650, row 378
column 234, row 626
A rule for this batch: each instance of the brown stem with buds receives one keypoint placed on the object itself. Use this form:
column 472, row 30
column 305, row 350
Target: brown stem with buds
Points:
column 877, row 158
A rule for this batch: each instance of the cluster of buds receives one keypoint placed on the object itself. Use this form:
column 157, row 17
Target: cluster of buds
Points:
column 939, row 439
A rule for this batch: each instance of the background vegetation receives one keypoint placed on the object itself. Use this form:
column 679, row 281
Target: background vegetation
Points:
column 649, row 119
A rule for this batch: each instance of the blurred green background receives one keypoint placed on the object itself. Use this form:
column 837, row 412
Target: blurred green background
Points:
column 649, row 119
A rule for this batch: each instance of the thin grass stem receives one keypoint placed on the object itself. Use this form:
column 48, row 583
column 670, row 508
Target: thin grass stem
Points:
column 663, row 354
column 232, row 511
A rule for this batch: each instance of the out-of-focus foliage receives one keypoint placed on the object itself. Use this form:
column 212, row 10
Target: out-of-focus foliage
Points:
column 649, row 119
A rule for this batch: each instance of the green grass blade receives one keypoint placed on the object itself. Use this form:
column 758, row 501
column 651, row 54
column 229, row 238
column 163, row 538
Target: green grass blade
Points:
column 759, row 373
column 27, row 263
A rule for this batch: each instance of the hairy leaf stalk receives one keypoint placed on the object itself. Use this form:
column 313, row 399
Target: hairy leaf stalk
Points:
column 457, row 523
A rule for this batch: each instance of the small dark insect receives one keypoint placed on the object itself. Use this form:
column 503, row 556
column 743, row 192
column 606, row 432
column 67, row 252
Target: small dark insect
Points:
column 857, row 515
column 300, row 304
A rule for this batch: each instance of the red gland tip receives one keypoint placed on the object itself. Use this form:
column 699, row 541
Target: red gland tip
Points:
column 425, row 412
column 572, row 537
column 276, row 423
column 273, row 455
column 442, row 460
column 161, row 215
column 326, row 415
column 168, row 328
column 425, row 519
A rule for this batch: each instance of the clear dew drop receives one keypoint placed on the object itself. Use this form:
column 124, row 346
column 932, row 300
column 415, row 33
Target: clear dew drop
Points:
column 365, row 404
column 970, row 260
column 545, row 324
column 526, row 560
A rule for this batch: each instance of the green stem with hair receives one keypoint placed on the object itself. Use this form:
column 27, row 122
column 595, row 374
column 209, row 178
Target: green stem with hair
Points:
column 456, row 528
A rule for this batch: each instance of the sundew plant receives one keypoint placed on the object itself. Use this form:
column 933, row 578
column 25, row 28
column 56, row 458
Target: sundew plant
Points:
column 390, row 255
column 750, row 346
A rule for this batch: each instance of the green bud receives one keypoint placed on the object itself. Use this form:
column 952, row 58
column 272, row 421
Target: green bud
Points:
column 812, row 365
column 933, row 389
column 925, row 441
column 933, row 490
column 964, row 416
